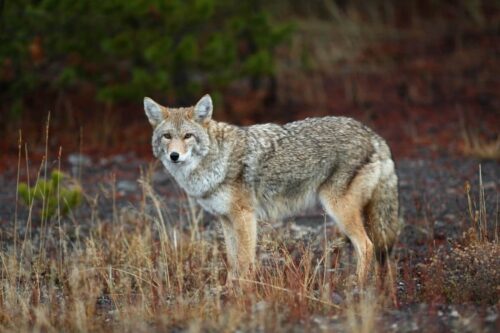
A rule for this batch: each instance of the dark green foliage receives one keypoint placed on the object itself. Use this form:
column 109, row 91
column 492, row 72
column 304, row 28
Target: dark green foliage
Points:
column 51, row 195
column 128, row 49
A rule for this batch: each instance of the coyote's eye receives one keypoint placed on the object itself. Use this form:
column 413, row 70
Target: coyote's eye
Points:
column 167, row 136
column 188, row 135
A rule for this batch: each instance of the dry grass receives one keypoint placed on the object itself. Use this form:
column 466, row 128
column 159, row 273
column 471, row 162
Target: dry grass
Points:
column 475, row 145
column 137, row 272
column 466, row 272
column 474, row 141
column 469, row 269
column 136, row 275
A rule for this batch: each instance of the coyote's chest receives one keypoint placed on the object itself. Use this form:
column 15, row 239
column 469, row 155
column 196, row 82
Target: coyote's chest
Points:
column 218, row 203
column 208, row 192
column 205, row 185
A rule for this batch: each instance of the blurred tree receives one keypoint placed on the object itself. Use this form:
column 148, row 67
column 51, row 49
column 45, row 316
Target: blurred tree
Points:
column 128, row 49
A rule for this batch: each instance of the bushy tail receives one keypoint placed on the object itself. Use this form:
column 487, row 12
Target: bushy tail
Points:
column 382, row 217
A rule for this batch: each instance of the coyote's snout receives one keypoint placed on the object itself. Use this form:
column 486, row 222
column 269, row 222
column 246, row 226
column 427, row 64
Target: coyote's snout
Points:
column 245, row 174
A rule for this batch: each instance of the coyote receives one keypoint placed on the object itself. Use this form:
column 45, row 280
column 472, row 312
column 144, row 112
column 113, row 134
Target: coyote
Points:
column 269, row 171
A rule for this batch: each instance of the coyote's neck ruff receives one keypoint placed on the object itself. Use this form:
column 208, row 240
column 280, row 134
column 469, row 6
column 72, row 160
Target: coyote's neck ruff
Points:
column 244, row 174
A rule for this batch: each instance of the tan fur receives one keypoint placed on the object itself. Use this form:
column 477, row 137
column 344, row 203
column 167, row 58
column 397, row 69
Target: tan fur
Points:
column 240, row 235
column 347, row 210
column 177, row 145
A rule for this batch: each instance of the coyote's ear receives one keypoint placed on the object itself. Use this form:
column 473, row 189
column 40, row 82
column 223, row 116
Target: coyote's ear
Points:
column 203, row 109
column 153, row 111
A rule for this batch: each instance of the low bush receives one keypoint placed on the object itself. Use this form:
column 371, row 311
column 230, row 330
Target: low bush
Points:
column 51, row 196
column 469, row 271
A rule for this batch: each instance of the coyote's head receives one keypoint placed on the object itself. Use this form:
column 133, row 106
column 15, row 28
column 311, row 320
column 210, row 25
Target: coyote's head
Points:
column 180, row 135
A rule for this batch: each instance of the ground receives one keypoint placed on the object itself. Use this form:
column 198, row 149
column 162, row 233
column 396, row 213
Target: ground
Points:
column 433, row 203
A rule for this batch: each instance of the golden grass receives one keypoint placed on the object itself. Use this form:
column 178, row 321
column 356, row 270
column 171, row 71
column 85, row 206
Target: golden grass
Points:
column 137, row 275
column 474, row 145
column 144, row 270
column 139, row 271
column 468, row 270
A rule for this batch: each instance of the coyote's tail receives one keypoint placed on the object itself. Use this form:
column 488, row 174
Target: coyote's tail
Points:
column 382, row 217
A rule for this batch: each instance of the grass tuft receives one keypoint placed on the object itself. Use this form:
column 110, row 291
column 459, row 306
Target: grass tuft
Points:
column 469, row 269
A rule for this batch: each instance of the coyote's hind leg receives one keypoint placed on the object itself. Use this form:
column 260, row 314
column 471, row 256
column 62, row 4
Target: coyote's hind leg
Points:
column 347, row 215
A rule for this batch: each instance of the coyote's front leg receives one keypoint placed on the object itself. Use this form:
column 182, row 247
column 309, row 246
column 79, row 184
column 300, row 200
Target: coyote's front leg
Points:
column 240, row 235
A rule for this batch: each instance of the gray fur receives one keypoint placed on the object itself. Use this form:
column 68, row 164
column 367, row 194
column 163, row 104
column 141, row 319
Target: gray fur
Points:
column 153, row 111
column 203, row 109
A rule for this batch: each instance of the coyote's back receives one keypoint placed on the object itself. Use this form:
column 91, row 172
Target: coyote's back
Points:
column 289, row 166
column 269, row 171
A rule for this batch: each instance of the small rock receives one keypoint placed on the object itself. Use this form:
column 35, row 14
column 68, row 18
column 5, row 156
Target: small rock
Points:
column 79, row 160
column 336, row 298
column 489, row 185
column 452, row 190
column 126, row 186
column 439, row 224
column 450, row 217
column 413, row 327
column 260, row 306
column 491, row 317
column 118, row 159
column 300, row 231
column 103, row 161
column 454, row 314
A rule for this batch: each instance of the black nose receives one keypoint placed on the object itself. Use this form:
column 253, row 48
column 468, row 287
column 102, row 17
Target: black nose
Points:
column 174, row 156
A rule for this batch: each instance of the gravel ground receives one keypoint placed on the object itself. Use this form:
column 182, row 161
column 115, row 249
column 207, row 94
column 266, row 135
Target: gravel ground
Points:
column 433, row 202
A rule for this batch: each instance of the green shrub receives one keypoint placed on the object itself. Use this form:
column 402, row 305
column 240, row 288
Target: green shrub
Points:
column 128, row 49
column 52, row 196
